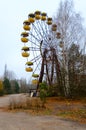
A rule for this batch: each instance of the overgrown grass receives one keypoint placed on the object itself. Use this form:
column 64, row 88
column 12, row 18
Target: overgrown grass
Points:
column 75, row 115
column 69, row 109
column 25, row 103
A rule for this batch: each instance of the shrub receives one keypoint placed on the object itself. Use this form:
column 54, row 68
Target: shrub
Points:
column 43, row 93
column 1, row 88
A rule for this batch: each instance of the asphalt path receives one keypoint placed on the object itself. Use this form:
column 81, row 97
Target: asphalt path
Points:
column 26, row 121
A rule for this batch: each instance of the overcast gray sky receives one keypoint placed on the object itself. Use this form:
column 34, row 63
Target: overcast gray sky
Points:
column 12, row 15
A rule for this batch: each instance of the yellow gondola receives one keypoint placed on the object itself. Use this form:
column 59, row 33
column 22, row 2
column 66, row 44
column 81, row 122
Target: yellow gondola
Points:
column 26, row 27
column 49, row 21
column 37, row 15
column 35, row 81
column 29, row 63
column 35, row 75
column 26, row 22
column 24, row 34
column 25, row 54
column 25, row 48
column 24, row 39
column 31, row 18
column 58, row 35
column 54, row 27
column 61, row 44
column 29, row 69
column 43, row 16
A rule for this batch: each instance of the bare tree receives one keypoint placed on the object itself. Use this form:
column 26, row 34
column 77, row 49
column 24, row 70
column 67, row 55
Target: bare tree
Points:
column 69, row 24
column 23, row 85
column 9, row 74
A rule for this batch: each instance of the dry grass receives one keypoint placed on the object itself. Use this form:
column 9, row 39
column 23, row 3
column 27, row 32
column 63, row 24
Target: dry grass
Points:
column 24, row 102
column 69, row 109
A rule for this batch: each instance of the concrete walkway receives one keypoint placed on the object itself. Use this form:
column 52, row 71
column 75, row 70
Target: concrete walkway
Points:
column 25, row 121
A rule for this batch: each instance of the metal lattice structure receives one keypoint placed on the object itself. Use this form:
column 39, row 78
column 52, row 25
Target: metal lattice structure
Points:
column 42, row 43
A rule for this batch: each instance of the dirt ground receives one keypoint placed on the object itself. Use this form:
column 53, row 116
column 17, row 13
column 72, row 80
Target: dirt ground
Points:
column 21, row 120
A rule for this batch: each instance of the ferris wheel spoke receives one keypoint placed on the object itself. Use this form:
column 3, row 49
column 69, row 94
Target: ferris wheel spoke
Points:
column 36, row 58
column 34, row 37
column 37, row 65
column 36, row 40
column 43, row 32
column 46, row 29
column 37, row 31
column 35, row 43
column 34, row 49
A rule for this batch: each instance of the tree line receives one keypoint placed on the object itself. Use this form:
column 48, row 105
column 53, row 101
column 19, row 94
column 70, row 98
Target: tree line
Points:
column 71, row 81
column 10, row 85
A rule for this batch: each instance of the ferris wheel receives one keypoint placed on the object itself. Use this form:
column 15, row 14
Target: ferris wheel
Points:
column 42, row 43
